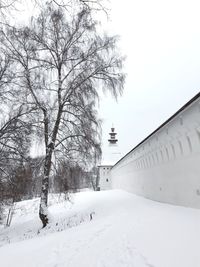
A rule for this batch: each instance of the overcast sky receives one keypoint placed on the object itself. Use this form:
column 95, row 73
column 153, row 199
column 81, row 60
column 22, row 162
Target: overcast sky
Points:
column 161, row 40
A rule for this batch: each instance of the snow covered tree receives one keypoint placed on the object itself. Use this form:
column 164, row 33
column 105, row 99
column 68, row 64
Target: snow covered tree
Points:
column 63, row 62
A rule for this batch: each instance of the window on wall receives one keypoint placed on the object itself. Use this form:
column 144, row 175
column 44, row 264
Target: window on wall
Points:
column 161, row 153
column 180, row 146
column 146, row 162
column 137, row 165
column 198, row 134
column 167, row 153
column 173, row 150
column 189, row 143
column 157, row 157
column 153, row 160
column 140, row 163
column 107, row 180
column 149, row 159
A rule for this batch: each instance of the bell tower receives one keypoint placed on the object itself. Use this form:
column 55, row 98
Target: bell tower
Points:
column 110, row 156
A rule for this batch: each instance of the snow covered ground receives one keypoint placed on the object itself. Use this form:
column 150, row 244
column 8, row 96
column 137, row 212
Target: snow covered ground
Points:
column 103, row 229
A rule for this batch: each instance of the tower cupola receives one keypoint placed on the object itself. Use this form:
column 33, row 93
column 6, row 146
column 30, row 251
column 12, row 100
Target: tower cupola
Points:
column 112, row 140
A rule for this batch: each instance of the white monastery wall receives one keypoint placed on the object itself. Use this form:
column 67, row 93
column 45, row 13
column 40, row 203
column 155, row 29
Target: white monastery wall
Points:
column 166, row 165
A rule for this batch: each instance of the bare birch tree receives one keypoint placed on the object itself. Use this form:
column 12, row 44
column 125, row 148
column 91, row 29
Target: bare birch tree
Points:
column 63, row 63
column 15, row 127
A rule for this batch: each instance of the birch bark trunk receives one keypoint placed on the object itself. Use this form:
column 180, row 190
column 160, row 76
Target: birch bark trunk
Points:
column 43, row 210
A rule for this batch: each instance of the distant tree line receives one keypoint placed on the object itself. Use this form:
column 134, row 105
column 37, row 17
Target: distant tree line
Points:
column 23, row 181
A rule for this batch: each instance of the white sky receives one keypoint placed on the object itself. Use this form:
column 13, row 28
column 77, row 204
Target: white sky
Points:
column 161, row 40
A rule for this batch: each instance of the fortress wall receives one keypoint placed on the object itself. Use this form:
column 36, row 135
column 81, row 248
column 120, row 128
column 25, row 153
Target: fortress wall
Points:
column 166, row 166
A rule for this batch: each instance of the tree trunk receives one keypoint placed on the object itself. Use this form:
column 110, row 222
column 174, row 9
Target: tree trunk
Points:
column 43, row 211
column 10, row 214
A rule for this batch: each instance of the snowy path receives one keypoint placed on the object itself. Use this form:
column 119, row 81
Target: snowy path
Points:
column 126, row 231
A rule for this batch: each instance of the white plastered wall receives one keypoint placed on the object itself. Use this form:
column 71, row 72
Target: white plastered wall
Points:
column 166, row 167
